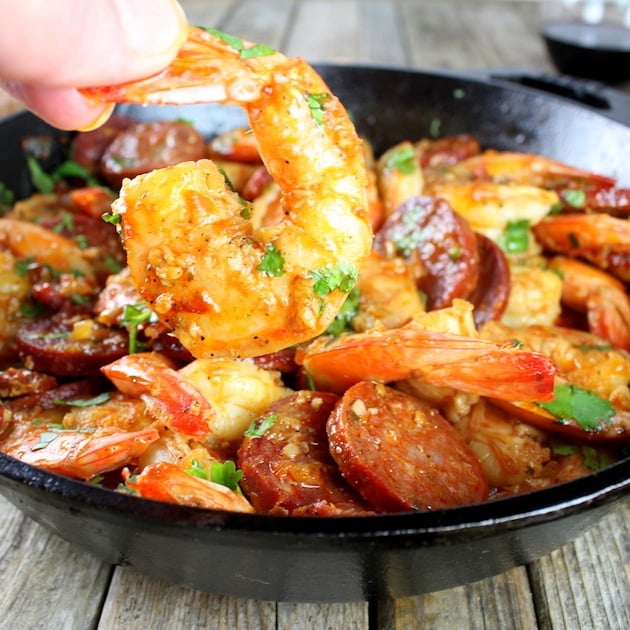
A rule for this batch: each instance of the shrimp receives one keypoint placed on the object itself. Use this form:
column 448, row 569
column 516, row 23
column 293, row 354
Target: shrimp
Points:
column 509, row 451
column 526, row 168
column 598, row 294
column 490, row 207
column 167, row 482
column 598, row 238
column 399, row 176
column 222, row 286
column 27, row 240
column 583, row 361
column 168, row 396
column 436, row 358
column 79, row 454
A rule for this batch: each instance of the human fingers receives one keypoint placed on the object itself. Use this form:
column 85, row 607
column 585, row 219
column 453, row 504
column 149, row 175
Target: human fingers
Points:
column 64, row 108
column 73, row 43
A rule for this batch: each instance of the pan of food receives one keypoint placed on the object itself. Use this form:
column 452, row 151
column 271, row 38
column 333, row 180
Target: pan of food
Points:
column 321, row 335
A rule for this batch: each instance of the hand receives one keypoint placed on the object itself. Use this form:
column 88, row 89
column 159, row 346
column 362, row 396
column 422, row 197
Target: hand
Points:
column 49, row 48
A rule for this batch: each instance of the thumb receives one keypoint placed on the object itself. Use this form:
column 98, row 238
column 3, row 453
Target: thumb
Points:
column 74, row 43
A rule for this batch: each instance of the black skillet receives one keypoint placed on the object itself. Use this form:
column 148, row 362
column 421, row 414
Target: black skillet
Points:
column 344, row 559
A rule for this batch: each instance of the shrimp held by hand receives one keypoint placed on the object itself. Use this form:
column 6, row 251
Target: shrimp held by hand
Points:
column 223, row 286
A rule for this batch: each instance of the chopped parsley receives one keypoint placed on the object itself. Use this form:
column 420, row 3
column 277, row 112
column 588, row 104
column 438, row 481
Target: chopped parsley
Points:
column 571, row 402
column 110, row 217
column 256, row 430
column 341, row 276
column 7, row 196
column 257, row 50
column 574, row 198
column 272, row 263
column 316, row 105
column 403, row 159
column 84, row 402
column 592, row 458
column 343, row 319
column 45, row 439
column 45, row 182
column 197, row 470
column 515, row 239
column 133, row 316
column 226, row 474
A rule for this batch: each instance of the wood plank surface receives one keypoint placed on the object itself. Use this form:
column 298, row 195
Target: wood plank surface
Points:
column 44, row 581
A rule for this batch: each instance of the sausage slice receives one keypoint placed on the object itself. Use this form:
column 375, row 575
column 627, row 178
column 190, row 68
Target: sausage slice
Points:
column 286, row 463
column 400, row 454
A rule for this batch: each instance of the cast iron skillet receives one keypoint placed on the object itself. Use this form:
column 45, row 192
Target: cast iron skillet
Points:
column 344, row 559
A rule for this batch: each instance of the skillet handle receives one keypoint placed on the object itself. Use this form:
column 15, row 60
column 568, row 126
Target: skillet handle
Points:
column 593, row 94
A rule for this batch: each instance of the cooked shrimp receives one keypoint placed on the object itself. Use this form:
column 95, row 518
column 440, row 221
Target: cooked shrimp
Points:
column 585, row 361
column 221, row 285
column 170, row 399
column 526, row 168
column 490, row 207
column 80, row 454
column 399, row 176
column 27, row 240
column 509, row 450
column 237, row 391
column 598, row 294
column 436, row 358
column 598, row 238
column 535, row 295
column 388, row 293
column 170, row 483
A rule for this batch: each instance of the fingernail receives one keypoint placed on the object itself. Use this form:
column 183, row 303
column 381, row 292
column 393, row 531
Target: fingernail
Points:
column 104, row 115
column 160, row 32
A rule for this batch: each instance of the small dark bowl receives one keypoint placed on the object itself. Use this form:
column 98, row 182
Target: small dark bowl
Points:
column 591, row 51
column 347, row 558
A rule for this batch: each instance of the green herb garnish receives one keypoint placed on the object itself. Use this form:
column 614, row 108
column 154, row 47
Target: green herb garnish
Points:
column 341, row 276
column 256, row 430
column 571, row 402
column 197, row 470
column 84, row 402
column 348, row 311
column 257, row 50
column 133, row 316
column 515, row 239
column 226, row 474
column 575, row 198
column 272, row 263
column 316, row 105
column 403, row 159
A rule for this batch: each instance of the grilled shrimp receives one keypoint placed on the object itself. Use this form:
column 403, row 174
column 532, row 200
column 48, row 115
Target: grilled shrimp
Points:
column 223, row 286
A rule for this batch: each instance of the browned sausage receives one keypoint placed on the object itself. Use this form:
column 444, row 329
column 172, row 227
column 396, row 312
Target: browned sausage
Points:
column 401, row 454
column 51, row 346
column 428, row 229
column 490, row 296
column 15, row 382
column 88, row 146
column 288, row 468
column 144, row 147
column 447, row 151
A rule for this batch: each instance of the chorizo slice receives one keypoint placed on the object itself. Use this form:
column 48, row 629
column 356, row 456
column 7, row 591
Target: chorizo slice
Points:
column 429, row 230
column 144, row 147
column 286, row 464
column 87, row 147
column 56, row 346
column 400, row 454
column 490, row 296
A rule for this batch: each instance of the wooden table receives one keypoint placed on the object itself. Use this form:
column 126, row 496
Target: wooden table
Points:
column 47, row 583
